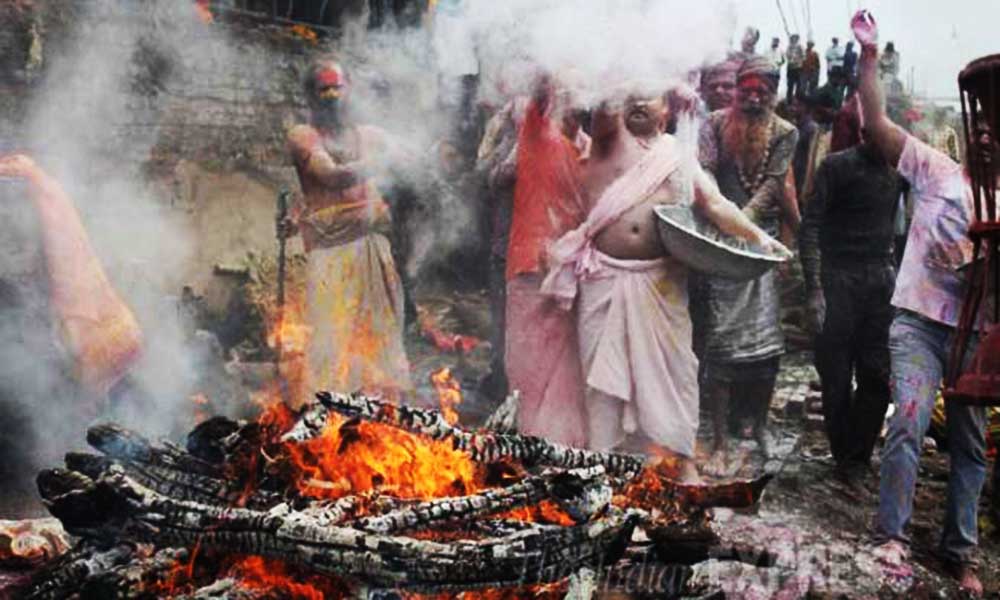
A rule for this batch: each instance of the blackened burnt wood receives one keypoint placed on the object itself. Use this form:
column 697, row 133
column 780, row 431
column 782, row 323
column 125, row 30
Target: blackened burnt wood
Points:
column 121, row 571
column 121, row 443
column 484, row 446
column 529, row 491
column 535, row 555
column 176, row 483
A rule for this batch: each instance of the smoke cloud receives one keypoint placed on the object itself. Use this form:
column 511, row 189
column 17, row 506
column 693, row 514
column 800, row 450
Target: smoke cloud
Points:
column 92, row 126
column 122, row 60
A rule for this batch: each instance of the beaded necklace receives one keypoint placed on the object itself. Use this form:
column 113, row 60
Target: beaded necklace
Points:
column 751, row 185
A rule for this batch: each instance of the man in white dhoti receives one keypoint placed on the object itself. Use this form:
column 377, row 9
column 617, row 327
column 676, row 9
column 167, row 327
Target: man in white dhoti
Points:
column 635, row 332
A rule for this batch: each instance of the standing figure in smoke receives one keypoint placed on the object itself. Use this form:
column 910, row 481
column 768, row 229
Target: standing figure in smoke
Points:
column 748, row 44
column 542, row 353
column 631, row 298
column 928, row 298
column 846, row 246
column 748, row 148
column 354, row 304
column 496, row 165
column 775, row 54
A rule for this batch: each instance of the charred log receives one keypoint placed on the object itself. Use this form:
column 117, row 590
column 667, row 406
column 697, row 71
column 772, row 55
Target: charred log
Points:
column 123, row 444
column 566, row 488
column 651, row 491
column 686, row 542
column 231, row 588
column 535, row 555
column 121, row 571
column 207, row 440
column 169, row 469
column 484, row 446
column 227, row 589
column 176, row 483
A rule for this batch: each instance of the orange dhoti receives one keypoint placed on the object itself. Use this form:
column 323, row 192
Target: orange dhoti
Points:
column 354, row 308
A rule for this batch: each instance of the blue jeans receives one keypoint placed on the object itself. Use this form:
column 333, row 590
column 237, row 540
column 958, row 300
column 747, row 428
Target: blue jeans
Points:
column 919, row 351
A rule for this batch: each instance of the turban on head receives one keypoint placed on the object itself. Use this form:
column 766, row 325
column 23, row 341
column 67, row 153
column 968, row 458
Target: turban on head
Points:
column 726, row 68
column 762, row 68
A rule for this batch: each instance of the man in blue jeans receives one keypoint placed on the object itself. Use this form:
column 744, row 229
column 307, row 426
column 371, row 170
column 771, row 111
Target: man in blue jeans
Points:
column 928, row 298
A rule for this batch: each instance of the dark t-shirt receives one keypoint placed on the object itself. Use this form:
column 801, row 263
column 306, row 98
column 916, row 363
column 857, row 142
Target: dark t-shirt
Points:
column 850, row 218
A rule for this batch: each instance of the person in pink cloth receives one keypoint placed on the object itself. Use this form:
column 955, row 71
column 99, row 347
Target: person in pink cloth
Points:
column 631, row 298
column 542, row 354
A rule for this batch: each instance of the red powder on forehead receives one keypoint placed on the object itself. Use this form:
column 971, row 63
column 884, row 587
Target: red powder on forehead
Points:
column 755, row 81
column 328, row 76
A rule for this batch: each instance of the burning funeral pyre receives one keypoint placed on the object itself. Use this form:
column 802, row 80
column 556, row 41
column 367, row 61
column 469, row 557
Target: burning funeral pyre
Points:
column 355, row 494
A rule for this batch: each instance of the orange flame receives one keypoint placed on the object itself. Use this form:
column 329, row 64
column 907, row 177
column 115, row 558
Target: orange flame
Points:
column 288, row 335
column 289, row 331
column 431, row 330
column 449, row 392
column 353, row 458
column 200, row 407
column 304, row 32
column 272, row 577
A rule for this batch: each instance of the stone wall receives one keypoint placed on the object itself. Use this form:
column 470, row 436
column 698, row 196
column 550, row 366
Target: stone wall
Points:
column 200, row 115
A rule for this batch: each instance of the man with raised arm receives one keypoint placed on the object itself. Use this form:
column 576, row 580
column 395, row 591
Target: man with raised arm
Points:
column 928, row 296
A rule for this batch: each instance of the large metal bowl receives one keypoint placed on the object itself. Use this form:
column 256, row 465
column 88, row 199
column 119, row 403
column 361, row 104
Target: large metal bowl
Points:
column 701, row 246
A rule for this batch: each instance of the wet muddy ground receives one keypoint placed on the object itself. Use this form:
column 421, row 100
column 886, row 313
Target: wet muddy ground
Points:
column 816, row 528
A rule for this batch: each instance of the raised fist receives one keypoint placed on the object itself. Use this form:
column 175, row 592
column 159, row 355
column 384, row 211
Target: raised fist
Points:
column 17, row 165
column 865, row 29
column 683, row 99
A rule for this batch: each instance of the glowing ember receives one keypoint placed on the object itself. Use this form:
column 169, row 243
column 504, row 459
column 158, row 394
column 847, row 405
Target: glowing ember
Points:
column 200, row 406
column 449, row 393
column 444, row 341
column 545, row 511
column 272, row 577
column 304, row 32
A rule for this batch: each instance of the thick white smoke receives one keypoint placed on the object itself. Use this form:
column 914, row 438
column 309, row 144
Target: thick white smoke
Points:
column 605, row 43
column 93, row 130
column 408, row 83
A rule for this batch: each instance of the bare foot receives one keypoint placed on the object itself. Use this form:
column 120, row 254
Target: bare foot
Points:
column 968, row 580
column 689, row 473
column 893, row 557
column 718, row 464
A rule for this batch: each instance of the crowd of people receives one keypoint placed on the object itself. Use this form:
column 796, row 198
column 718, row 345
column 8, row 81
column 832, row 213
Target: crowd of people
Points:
column 610, row 342
column 803, row 65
